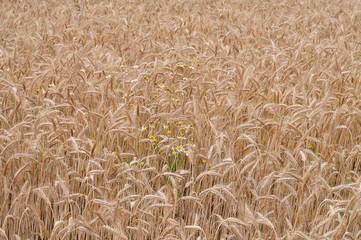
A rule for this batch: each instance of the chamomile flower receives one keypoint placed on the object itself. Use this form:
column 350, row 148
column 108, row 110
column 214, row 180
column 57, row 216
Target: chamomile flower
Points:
column 108, row 76
column 152, row 126
column 155, row 96
column 155, row 140
column 151, row 137
column 193, row 145
column 191, row 67
column 125, row 96
column 187, row 153
column 134, row 80
column 169, row 132
column 204, row 160
column 185, row 79
column 51, row 85
column 37, row 89
column 168, row 122
column 181, row 65
column 177, row 123
column 165, row 126
column 180, row 148
column 161, row 85
column 174, row 152
column 135, row 66
column 181, row 138
column 132, row 105
column 109, row 66
column 120, row 66
column 144, row 129
column 71, row 93
column 86, row 113
column 141, row 163
column 146, row 78
column 114, row 153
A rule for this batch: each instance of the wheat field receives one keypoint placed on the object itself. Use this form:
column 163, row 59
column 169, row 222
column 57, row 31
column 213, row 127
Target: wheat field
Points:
column 180, row 119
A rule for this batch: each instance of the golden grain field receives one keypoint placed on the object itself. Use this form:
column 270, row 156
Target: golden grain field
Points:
column 180, row 119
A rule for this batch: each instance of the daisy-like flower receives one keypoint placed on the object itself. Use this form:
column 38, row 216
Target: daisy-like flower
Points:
column 193, row 145
column 135, row 66
column 185, row 79
column 187, row 153
column 174, row 152
column 120, row 66
column 108, row 76
column 132, row 105
column 152, row 126
column 161, row 85
column 181, row 65
column 165, row 126
column 109, row 66
column 144, row 128
column 169, row 132
column 71, row 93
column 158, row 89
column 155, row 140
column 177, row 100
column 86, row 113
column 51, row 85
column 191, row 67
column 177, row 123
column 114, row 153
column 38, row 89
column 146, row 78
column 131, row 90
column 125, row 96
column 141, row 163
column 182, row 131
column 151, row 137
column 184, row 125
column 155, row 96
column 204, row 160
column 168, row 122
column 181, row 138
column 134, row 80
column 180, row 148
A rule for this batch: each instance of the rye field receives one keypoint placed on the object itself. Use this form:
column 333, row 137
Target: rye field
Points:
column 180, row 119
